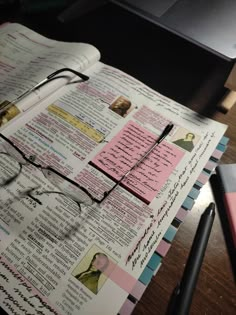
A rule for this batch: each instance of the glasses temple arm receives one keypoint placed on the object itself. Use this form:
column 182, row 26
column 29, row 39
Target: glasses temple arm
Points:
column 29, row 91
column 80, row 75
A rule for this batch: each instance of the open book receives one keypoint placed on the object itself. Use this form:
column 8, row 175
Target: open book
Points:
column 74, row 237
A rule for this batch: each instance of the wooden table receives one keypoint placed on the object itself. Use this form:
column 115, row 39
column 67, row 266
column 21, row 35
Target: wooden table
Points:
column 193, row 77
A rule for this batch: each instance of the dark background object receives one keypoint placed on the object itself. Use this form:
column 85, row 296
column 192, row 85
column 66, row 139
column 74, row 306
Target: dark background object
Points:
column 164, row 61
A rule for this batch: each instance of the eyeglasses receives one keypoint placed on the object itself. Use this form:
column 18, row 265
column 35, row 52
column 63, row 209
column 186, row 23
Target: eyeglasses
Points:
column 7, row 104
column 12, row 159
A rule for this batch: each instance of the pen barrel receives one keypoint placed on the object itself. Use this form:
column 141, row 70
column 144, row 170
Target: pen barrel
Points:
column 194, row 262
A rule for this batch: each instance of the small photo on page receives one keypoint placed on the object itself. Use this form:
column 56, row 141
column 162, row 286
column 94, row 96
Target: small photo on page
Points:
column 92, row 271
column 122, row 106
column 8, row 113
column 185, row 139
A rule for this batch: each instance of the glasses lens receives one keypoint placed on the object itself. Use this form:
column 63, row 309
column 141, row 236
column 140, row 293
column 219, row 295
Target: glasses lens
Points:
column 11, row 150
column 9, row 168
column 68, row 188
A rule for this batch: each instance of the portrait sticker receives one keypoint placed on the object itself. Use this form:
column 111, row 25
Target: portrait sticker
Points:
column 185, row 139
column 121, row 106
column 8, row 112
column 92, row 269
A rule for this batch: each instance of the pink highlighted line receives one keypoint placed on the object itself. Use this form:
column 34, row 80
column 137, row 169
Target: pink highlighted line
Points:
column 119, row 276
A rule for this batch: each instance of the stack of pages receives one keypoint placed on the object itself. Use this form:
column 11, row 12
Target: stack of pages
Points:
column 81, row 228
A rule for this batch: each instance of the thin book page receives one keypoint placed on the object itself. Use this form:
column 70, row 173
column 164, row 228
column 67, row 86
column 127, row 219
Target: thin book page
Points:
column 107, row 121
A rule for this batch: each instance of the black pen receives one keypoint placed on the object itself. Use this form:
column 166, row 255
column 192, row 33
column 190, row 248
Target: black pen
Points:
column 183, row 293
column 164, row 133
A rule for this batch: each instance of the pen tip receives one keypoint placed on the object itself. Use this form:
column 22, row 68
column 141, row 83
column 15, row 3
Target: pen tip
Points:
column 169, row 127
column 212, row 205
column 210, row 209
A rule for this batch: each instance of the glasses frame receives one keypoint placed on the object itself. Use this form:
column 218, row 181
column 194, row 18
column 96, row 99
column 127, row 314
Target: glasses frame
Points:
column 49, row 168
column 165, row 132
column 84, row 77
column 5, row 104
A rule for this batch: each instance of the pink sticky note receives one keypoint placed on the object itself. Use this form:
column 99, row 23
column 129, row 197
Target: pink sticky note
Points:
column 126, row 149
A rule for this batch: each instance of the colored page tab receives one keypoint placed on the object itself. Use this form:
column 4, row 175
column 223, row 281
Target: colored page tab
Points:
column 127, row 148
column 170, row 233
column 138, row 290
column 194, row 192
column 199, row 184
column 163, row 248
column 127, row 308
column 210, row 166
column 224, row 140
column 154, row 261
column 203, row 177
column 188, row 203
column 221, row 147
column 146, row 276
column 181, row 214
column 217, row 154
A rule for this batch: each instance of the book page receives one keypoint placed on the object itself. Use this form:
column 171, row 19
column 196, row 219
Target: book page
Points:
column 65, row 257
column 27, row 58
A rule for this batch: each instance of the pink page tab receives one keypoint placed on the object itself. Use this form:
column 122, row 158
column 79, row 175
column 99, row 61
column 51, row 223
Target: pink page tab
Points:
column 203, row 178
column 127, row 308
column 119, row 276
column 181, row 214
column 217, row 154
column 210, row 166
column 138, row 290
column 163, row 248
column 128, row 147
